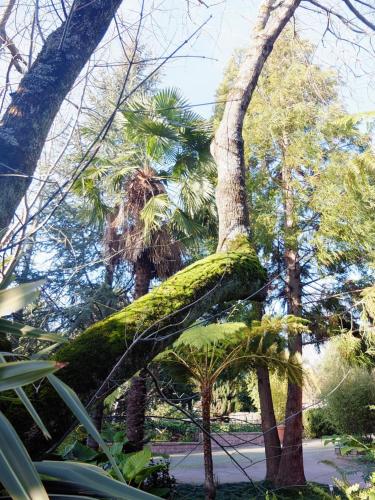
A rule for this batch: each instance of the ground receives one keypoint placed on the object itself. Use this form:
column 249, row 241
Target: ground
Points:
column 189, row 469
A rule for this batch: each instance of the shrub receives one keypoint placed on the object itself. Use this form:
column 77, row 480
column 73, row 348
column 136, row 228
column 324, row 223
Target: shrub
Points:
column 349, row 406
column 317, row 423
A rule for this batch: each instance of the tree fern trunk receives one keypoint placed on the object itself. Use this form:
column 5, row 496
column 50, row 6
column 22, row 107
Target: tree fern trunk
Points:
column 209, row 483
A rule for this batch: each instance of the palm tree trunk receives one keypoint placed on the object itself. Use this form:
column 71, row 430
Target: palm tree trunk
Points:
column 137, row 394
column 135, row 413
column 209, row 483
column 271, row 437
column 291, row 470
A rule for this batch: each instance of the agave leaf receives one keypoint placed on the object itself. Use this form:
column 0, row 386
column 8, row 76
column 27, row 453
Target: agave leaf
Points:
column 79, row 411
column 14, row 299
column 32, row 411
column 18, row 373
column 15, row 455
column 20, row 330
column 45, row 352
column 70, row 497
column 29, row 407
column 9, row 479
column 91, row 477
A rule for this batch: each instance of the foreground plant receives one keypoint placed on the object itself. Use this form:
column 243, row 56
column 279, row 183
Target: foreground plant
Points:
column 22, row 478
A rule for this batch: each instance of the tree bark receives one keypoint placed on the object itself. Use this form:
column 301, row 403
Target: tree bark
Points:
column 135, row 413
column 269, row 426
column 209, row 482
column 153, row 322
column 137, row 395
column 227, row 147
column 291, row 470
column 28, row 119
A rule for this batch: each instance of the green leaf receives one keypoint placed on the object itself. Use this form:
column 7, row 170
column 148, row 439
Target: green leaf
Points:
column 204, row 336
column 78, row 451
column 73, row 402
column 15, row 457
column 20, row 330
column 91, row 477
column 14, row 299
column 32, row 411
column 135, row 462
column 18, row 373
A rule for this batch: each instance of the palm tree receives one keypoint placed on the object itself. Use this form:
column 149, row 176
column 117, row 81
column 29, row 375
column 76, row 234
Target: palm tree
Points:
column 203, row 354
column 159, row 180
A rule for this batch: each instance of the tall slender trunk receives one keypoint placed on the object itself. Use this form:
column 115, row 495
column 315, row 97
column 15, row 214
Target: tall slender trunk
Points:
column 291, row 470
column 137, row 395
column 272, row 445
column 209, row 483
column 271, row 437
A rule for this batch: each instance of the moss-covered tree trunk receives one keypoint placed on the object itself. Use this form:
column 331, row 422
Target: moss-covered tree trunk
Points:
column 141, row 330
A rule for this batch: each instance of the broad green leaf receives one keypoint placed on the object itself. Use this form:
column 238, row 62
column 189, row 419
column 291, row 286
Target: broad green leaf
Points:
column 20, row 330
column 79, row 451
column 135, row 462
column 79, row 411
column 14, row 299
column 91, row 477
column 18, row 373
column 15, row 454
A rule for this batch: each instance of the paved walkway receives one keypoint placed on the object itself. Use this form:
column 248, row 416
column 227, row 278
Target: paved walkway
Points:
column 189, row 469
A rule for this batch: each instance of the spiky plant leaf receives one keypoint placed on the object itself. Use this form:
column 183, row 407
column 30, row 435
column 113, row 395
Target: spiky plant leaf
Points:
column 14, row 299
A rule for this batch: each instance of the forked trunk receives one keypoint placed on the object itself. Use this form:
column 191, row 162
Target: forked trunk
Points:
column 137, row 395
column 291, row 470
column 209, row 483
column 269, row 427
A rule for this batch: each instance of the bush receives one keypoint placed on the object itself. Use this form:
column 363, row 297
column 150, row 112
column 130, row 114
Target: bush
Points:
column 317, row 423
column 349, row 406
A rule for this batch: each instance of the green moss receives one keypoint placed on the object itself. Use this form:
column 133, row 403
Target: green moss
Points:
column 155, row 319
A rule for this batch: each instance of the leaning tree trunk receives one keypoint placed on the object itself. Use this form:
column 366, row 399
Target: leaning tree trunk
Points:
column 291, row 470
column 136, row 399
column 209, row 482
column 38, row 98
column 227, row 147
column 142, row 330
column 269, row 426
